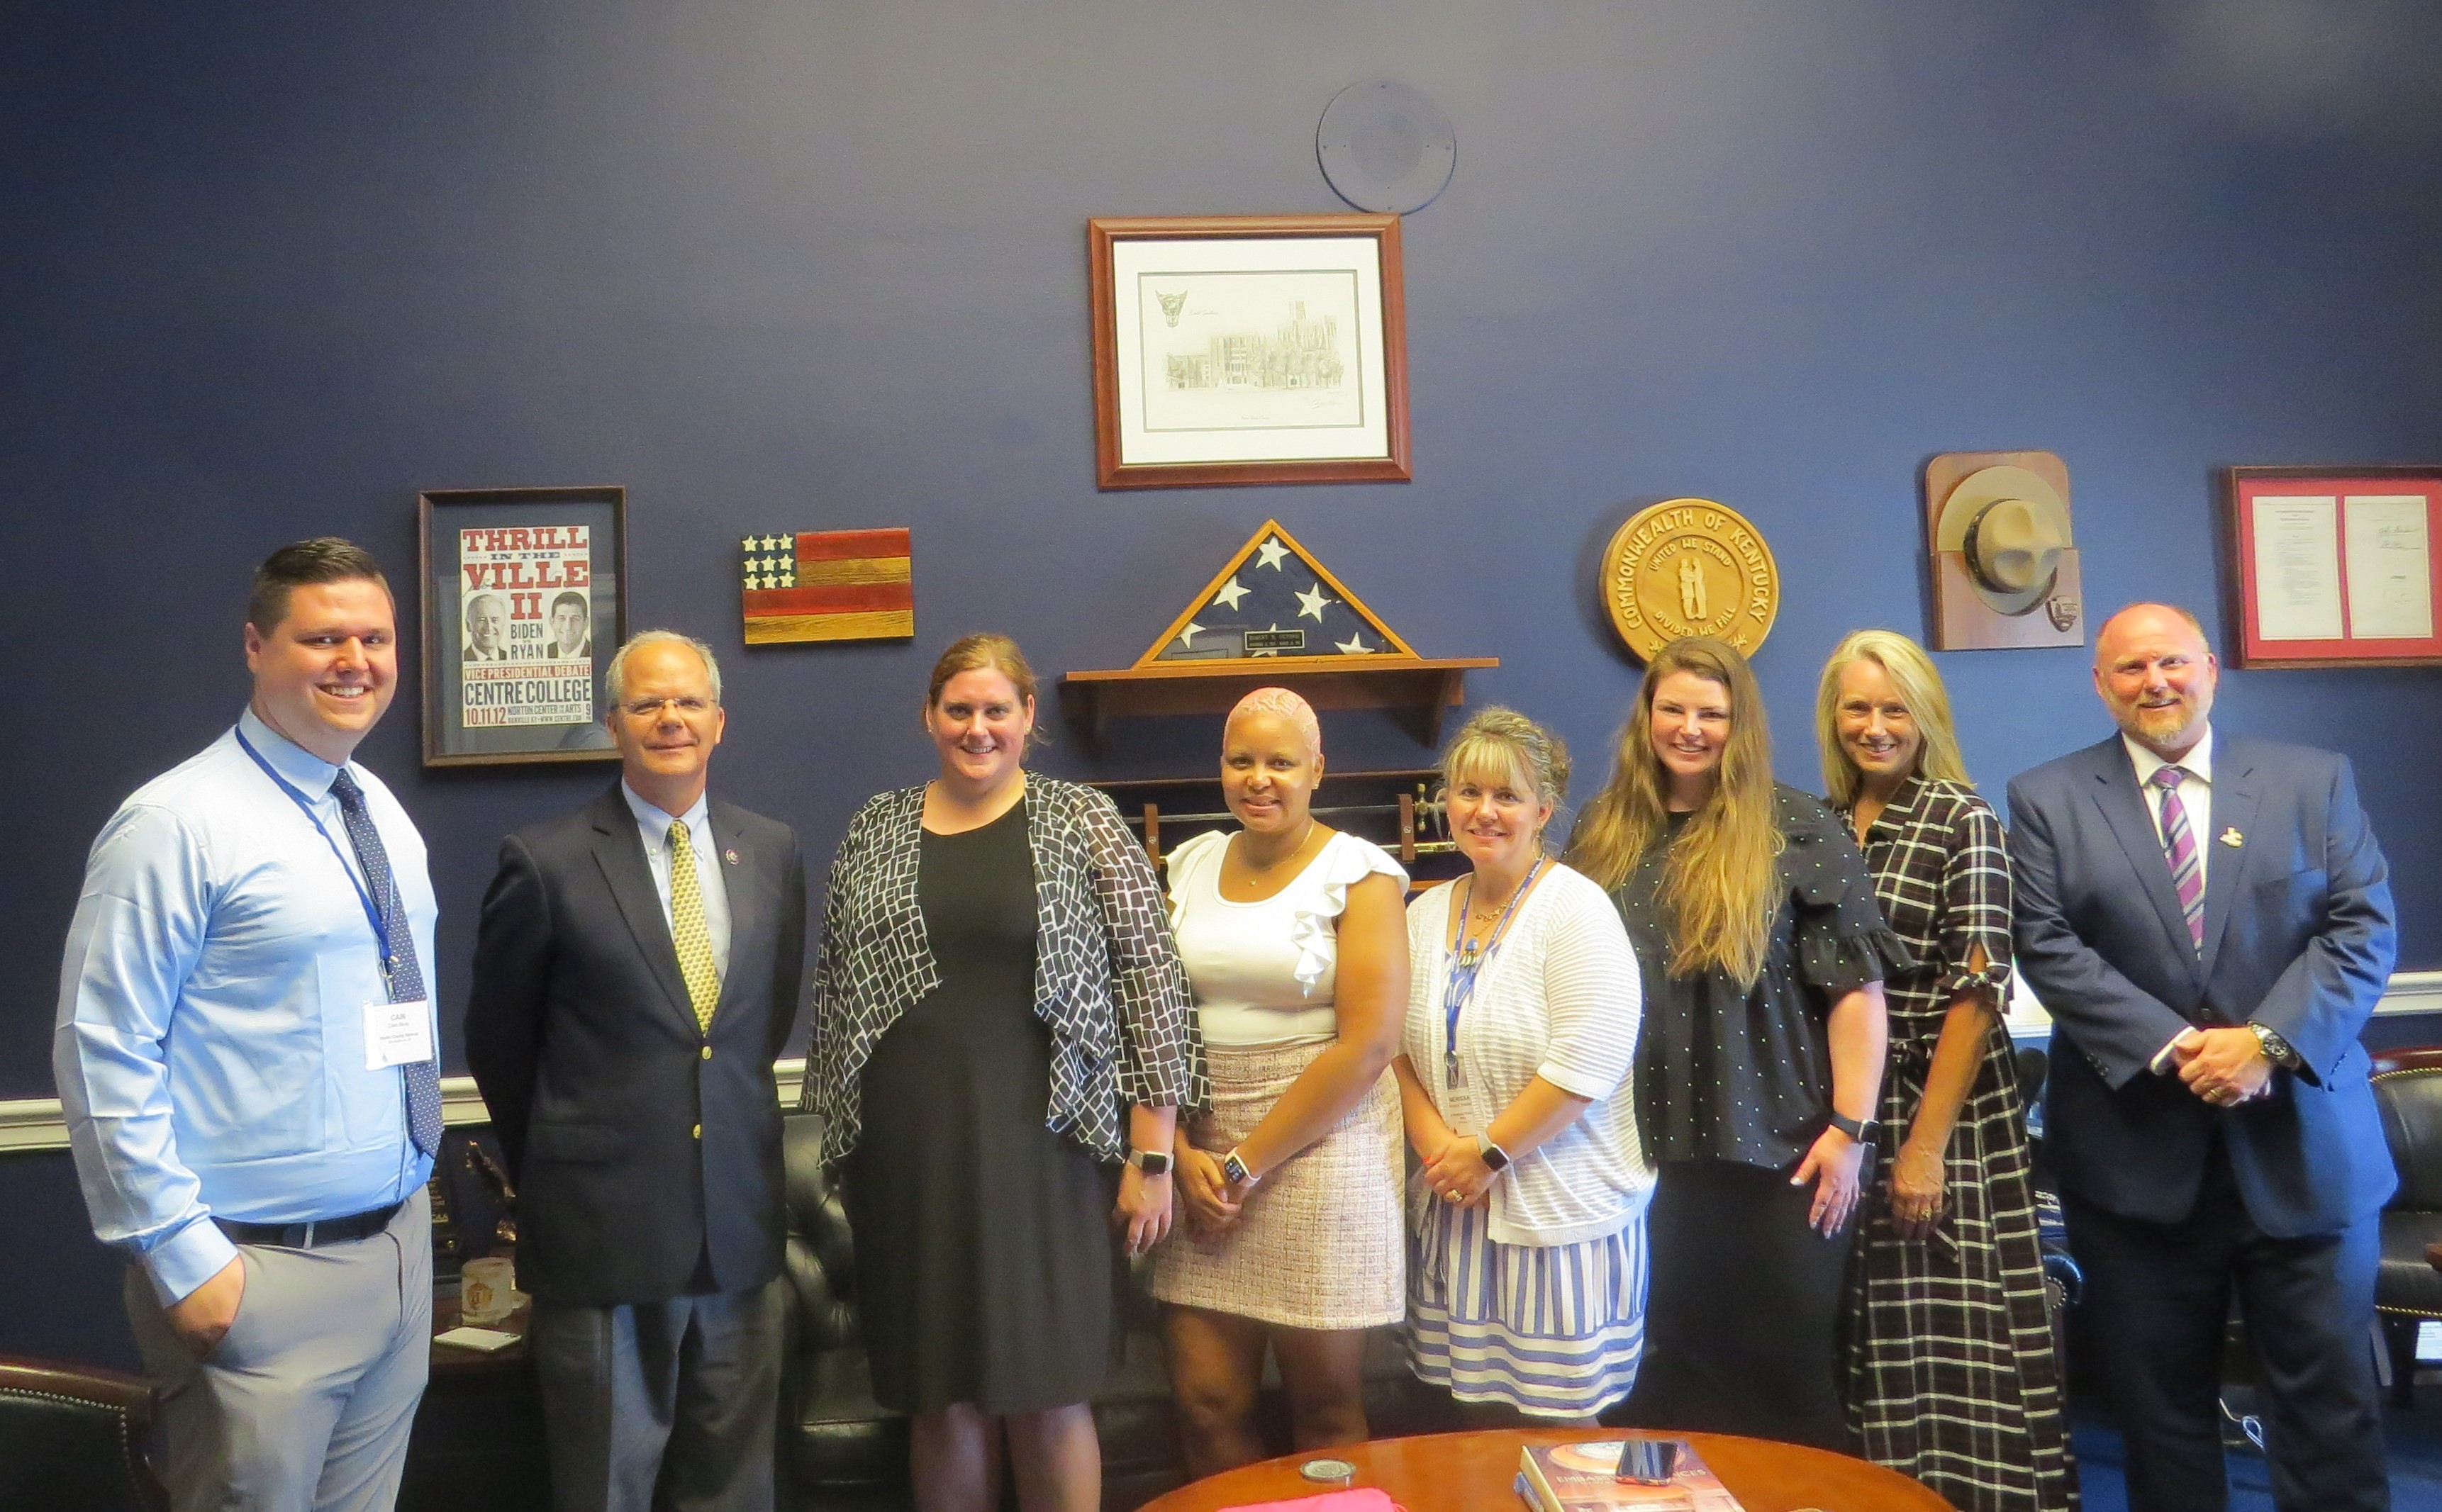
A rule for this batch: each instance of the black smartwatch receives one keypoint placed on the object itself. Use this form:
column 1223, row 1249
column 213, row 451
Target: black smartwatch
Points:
column 1493, row 1156
column 1151, row 1162
column 1235, row 1170
column 1860, row 1130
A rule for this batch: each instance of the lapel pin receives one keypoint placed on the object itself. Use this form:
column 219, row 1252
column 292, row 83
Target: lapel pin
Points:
column 731, row 855
column 2229, row 837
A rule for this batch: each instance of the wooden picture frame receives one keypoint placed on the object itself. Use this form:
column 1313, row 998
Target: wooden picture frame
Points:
column 2333, row 566
column 1248, row 349
column 502, row 574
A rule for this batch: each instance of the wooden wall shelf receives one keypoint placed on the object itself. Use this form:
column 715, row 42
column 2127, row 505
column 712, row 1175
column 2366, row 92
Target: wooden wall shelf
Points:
column 1399, row 811
column 1419, row 688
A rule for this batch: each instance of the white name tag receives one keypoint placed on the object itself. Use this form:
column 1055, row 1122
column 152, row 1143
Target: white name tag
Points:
column 397, row 1034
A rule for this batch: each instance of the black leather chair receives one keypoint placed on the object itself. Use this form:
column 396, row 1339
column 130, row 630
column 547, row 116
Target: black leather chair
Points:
column 72, row 1439
column 840, row 1450
column 2407, row 1288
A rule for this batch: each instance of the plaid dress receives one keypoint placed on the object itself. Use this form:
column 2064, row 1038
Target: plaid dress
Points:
column 1952, row 1375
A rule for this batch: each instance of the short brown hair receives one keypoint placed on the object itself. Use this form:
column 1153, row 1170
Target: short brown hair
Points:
column 323, row 559
column 990, row 650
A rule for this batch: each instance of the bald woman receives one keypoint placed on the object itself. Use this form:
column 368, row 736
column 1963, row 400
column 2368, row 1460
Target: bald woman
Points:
column 1295, row 941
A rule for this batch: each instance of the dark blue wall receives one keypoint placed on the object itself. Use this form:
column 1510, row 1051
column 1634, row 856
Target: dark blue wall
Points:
column 269, row 269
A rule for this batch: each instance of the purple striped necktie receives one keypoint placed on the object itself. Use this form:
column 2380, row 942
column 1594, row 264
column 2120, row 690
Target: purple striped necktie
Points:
column 2179, row 846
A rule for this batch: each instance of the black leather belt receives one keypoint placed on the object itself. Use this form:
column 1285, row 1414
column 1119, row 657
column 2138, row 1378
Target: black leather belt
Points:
column 311, row 1235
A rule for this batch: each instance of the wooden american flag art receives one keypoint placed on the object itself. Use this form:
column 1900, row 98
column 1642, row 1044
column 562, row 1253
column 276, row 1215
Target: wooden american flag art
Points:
column 827, row 585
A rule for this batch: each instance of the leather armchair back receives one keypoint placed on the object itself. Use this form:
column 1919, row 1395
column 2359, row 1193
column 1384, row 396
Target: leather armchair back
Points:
column 72, row 1439
column 2408, row 1095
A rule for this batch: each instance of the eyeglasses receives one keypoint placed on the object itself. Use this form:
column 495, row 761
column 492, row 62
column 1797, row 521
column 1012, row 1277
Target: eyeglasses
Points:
column 652, row 708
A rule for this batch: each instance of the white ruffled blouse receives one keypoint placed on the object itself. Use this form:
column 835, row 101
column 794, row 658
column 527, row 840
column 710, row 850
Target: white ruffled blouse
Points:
column 1264, row 972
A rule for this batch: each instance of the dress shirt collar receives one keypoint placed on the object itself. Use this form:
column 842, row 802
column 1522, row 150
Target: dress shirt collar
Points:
column 306, row 772
column 657, row 825
column 2197, row 763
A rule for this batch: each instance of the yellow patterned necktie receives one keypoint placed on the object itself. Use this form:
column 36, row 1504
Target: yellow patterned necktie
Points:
column 687, row 929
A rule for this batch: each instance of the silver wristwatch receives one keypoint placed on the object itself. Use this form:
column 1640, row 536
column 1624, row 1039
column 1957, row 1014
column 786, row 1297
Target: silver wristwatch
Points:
column 2276, row 1049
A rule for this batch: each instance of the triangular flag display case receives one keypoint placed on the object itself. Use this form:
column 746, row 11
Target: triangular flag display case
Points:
column 1274, row 615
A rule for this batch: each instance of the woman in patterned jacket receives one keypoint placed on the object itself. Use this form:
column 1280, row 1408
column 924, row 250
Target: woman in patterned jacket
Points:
column 1000, row 1020
column 1951, row 1378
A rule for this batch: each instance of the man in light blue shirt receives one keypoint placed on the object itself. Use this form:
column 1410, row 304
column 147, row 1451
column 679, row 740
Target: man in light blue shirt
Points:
column 245, row 1057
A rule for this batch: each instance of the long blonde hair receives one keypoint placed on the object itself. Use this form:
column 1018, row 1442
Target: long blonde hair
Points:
column 1721, row 881
column 1919, row 683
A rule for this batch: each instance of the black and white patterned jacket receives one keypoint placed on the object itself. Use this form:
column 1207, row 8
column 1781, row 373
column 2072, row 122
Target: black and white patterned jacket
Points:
column 1107, row 978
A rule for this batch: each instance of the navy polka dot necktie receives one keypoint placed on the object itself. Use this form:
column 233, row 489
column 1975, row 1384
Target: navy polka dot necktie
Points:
column 422, row 1079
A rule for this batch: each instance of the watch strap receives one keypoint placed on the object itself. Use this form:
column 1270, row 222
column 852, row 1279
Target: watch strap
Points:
column 1860, row 1130
column 2276, row 1049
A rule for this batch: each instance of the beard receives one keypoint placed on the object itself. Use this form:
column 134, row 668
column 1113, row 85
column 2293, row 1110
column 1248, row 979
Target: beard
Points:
column 2166, row 725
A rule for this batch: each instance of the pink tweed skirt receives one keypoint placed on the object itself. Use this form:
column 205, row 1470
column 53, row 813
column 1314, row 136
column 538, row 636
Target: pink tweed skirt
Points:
column 1319, row 1244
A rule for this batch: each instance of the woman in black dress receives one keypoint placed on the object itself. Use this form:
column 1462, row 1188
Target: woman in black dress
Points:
column 1763, row 954
column 1000, row 1020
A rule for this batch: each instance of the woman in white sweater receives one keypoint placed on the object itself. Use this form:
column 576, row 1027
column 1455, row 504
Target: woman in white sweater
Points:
column 1527, row 1272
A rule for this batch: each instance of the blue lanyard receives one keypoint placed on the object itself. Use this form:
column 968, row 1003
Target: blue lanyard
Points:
column 306, row 805
column 1459, row 985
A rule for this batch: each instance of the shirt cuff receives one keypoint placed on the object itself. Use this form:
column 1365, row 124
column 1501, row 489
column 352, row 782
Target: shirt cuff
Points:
column 187, row 1259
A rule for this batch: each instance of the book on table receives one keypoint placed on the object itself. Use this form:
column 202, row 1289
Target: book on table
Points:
column 1585, row 1477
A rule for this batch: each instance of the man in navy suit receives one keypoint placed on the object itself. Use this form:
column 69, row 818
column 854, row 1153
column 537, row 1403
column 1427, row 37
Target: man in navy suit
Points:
column 2209, row 921
column 636, row 971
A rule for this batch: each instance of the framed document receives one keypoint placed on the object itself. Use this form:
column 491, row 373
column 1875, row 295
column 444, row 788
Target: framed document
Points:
column 1248, row 349
column 2336, row 566
column 525, row 598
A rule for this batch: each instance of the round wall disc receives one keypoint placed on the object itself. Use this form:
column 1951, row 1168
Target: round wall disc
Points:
column 1385, row 146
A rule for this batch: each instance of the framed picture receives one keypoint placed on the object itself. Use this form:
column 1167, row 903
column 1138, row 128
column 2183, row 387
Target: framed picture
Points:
column 2335, row 566
column 525, row 598
column 1249, row 349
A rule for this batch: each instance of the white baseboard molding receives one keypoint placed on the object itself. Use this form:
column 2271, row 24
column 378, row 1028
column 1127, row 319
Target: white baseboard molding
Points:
column 2407, row 992
column 33, row 1124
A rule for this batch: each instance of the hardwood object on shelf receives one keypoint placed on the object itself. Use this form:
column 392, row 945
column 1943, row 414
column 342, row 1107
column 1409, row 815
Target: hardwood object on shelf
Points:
column 1419, row 688
column 1395, row 810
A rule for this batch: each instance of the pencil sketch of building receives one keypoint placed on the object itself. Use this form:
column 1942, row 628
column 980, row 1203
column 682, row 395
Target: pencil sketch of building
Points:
column 1301, row 354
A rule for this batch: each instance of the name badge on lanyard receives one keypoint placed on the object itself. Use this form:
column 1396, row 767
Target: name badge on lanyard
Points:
column 397, row 1034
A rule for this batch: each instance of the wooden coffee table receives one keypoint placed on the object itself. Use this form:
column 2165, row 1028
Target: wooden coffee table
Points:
column 1472, row 1472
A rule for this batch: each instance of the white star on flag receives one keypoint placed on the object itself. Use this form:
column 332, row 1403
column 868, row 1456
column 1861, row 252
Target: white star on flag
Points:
column 1231, row 593
column 1186, row 636
column 1354, row 645
column 1311, row 602
column 746, row 543
column 1272, row 552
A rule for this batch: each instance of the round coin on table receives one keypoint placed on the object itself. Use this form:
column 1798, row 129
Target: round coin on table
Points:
column 1330, row 1472
column 1689, row 567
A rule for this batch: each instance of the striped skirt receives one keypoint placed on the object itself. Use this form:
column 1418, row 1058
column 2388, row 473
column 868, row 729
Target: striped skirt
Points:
column 1553, row 1331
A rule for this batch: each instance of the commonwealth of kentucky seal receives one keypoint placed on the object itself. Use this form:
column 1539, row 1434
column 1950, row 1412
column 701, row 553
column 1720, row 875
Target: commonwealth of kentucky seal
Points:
column 1689, row 567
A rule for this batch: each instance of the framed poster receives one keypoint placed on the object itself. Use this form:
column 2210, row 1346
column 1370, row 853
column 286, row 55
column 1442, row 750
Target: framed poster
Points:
column 2335, row 566
column 524, row 594
column 1249, row 349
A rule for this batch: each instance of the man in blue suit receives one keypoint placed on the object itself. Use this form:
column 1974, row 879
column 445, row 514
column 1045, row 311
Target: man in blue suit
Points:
column 636, row 971
column 2209, row 921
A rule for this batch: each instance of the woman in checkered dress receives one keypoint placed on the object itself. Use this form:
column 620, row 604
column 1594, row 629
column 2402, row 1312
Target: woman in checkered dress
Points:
column 1952, row 1375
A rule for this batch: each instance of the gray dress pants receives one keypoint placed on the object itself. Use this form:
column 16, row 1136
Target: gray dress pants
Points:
column 661, row 1407
column 306, row 1403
